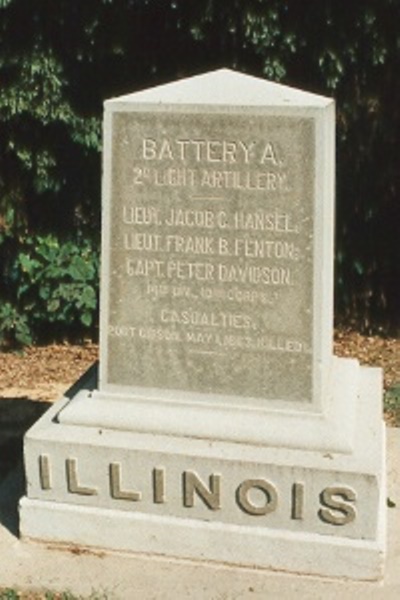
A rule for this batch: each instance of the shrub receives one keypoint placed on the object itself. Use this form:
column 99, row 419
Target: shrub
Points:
column 51, row 290
column 57, row 69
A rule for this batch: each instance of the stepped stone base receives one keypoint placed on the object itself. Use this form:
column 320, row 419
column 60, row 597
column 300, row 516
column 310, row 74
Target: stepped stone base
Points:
column 311, row 512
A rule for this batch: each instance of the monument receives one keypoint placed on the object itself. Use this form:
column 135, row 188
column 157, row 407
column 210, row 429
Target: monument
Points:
column 219, row 426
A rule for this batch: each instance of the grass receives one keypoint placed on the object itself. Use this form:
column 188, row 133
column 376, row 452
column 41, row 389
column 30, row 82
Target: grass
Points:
column 392, row 403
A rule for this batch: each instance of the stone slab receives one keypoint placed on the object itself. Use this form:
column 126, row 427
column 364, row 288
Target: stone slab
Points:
column 217, row 87
column 217, row 243
column 332, row 431
column 304, row 511
column 256, row 548
column 119, row 576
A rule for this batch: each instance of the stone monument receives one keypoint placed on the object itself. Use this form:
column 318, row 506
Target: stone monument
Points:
column 220, row 426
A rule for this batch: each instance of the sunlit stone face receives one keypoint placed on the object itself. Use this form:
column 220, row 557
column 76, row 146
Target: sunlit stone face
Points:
column 211, row 253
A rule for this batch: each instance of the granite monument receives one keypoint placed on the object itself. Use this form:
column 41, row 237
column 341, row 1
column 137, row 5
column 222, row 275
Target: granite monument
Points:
column 220, row 426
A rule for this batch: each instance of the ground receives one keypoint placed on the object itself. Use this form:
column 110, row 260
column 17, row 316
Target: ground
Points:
column 375, row 351
column 30, row 380
column 44, row 373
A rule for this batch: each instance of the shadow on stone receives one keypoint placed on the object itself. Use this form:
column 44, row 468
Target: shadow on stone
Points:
column 17, row 415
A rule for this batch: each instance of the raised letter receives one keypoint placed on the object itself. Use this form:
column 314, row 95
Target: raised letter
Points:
column 297, row 501
column 159, row 485
column 44, row 472
column 271, row 497
column 192, row 483
column 115, row 485
column 347, row 512
column 72, row 480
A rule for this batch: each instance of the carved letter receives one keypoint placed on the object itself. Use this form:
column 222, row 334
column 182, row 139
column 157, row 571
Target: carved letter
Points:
column 247, row 149
column 159, row 485
column 298, row 501
column 269, row 154
column 347, row 512
column 271, row 497
column 72, row 480
column 165, row 151
column 149, row 149
column 192, row 483
column 44, row 472
column 115, row 485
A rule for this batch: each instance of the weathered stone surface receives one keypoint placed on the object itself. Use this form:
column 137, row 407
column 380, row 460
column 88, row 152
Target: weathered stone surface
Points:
column 221, row 428
column 215, row 244
column 295, row 510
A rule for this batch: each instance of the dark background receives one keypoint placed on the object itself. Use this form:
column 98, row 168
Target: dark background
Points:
column 59, row 60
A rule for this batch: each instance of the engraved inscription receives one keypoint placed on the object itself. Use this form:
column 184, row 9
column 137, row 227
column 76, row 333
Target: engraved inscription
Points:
column 193, row 485
column 211, row 256
column 338, row 503
column 286, row 499
column 73, row 485
column 269, row 497
column 44, row 472
column 159, row 486
column 115, row 485
column 298, row 501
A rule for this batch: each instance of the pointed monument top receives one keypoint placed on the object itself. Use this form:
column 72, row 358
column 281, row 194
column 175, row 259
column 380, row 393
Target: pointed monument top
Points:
column 224, row 87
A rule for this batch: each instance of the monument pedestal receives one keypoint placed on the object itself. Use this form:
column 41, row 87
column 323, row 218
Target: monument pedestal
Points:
column 221, row 428
column 296, row 510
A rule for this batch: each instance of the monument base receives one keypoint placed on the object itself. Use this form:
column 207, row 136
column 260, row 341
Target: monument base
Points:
column 307, row 554
column 318, row 513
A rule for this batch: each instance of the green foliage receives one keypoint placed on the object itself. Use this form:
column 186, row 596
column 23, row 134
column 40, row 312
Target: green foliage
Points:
column 14, row 326
column 57, row 69
column 45, row 138
column 392, row 403
column 350, row 51
column 52, row 289
column 8, row 594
